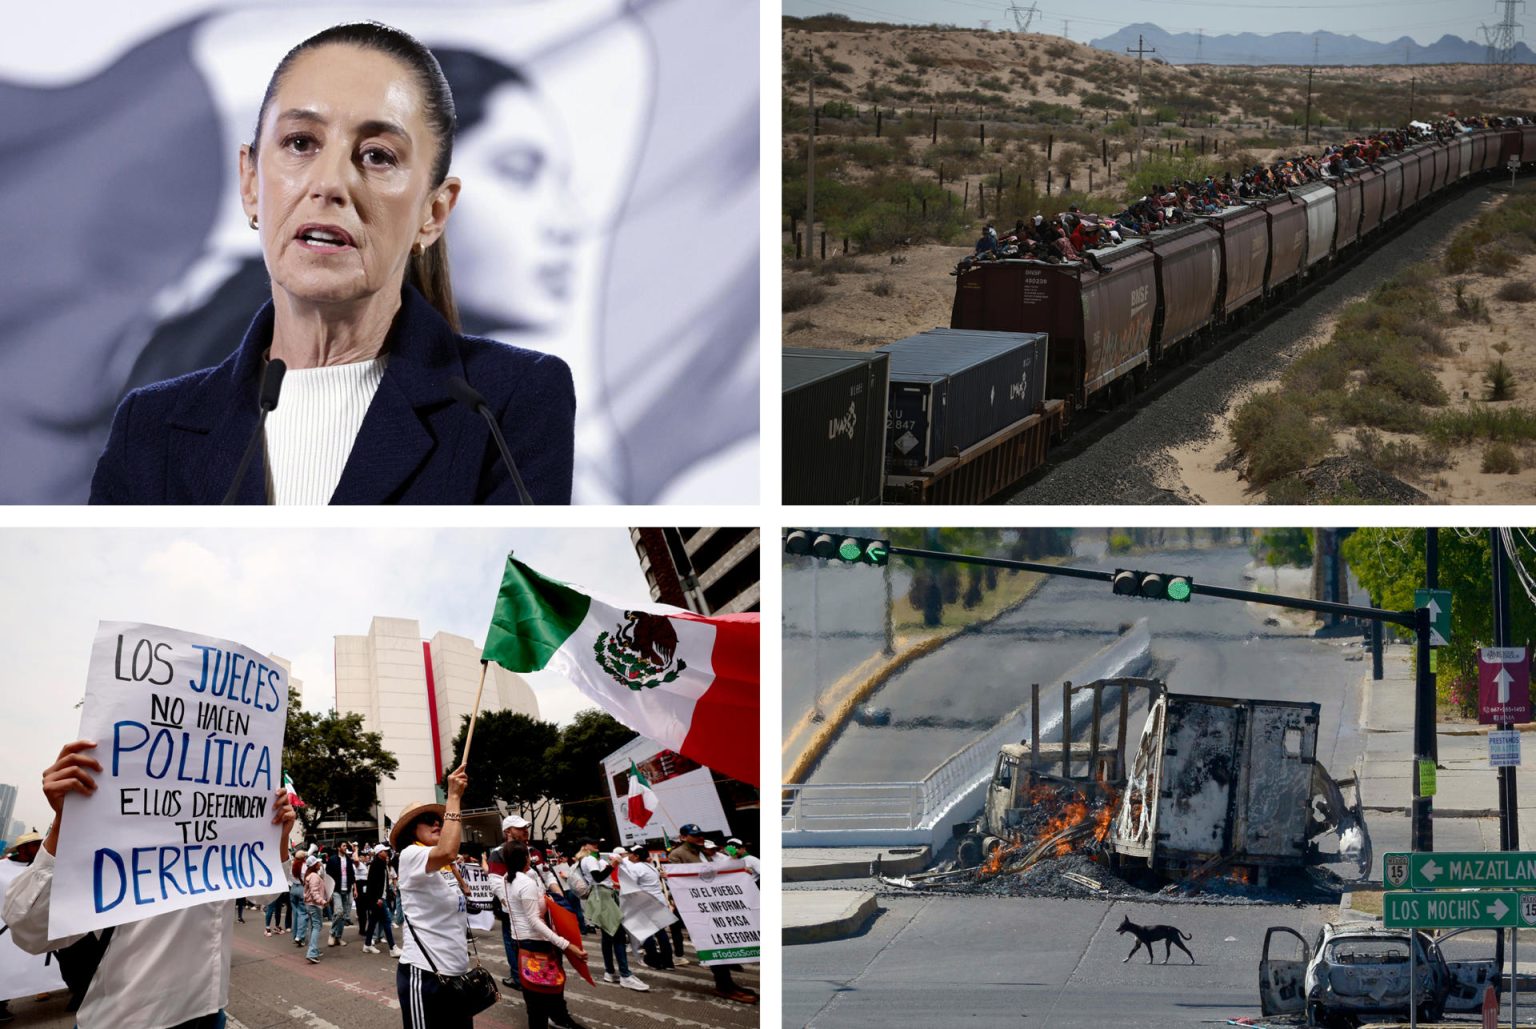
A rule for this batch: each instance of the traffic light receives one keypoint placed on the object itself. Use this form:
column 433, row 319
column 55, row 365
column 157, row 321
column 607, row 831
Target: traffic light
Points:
column 1156, row 585
column 857, row 550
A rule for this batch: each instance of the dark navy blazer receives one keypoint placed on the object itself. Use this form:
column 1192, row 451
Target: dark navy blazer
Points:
column 179, row 441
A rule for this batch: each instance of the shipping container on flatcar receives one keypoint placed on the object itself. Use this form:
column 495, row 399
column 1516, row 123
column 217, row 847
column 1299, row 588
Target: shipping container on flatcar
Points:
column 1097, row 313
column 1373, row 190
column 951, row 388
column 1244, row 256
column 1188, row 273
column 1287, row 239
column 834, row 426
column 1392, row 195
column 1322, row 218
column 1347, row 204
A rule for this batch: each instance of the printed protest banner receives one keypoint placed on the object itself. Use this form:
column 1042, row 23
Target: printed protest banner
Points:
column 480, row 892
column 189, row 733
column 720, row 905
column 23, row 974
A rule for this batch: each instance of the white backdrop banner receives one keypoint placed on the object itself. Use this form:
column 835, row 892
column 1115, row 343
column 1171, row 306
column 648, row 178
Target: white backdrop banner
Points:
column 685, row 792
column 189, row 733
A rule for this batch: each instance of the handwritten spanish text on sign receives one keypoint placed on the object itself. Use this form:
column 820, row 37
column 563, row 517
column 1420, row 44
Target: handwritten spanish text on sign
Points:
column 189, row 733
column 719, row 904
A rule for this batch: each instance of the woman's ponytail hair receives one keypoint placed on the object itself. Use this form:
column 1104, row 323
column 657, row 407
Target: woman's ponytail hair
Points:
column 428, row 273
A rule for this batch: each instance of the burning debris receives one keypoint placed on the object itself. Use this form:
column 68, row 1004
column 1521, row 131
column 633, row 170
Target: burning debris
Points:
column 1223, row 797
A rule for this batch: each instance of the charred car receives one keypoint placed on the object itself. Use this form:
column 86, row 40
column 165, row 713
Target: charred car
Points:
column 1355, row 969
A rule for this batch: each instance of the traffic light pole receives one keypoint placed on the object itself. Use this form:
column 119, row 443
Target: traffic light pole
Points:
column 1422, row 825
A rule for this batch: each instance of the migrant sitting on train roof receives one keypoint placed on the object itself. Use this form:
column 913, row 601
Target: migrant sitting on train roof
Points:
column 1064, row 237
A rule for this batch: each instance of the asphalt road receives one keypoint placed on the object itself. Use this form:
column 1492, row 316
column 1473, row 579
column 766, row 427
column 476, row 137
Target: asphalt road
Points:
column 1216, row 647
column 273, row 987
column 1033, row 962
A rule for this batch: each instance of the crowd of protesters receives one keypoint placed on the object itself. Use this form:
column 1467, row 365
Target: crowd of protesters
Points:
column 1068, row 235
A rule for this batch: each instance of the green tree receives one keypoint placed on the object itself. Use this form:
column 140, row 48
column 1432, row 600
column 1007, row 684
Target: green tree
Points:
column 1390, row 564
column 1281, row 547
column 336, row 765
column 576, row 764
column 509, row 761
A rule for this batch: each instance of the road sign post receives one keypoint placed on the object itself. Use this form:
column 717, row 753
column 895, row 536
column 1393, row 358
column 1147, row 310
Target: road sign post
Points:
column 1503, row 686
column 1481, row 909
column 1439, row 604
column 1460, row 870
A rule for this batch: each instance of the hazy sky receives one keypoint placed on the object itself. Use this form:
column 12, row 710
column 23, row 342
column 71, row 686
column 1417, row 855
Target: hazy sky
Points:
column 1381, row 20
column 284, row 592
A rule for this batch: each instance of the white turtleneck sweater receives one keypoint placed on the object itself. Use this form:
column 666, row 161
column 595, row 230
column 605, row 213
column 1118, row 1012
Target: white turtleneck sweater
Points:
column 310, row 433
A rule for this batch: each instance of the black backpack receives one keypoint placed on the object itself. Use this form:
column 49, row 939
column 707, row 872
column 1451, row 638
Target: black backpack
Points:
column 78, row 963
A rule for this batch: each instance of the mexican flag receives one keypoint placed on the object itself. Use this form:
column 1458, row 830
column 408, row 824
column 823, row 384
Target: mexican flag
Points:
column 642, row 800
column 293, row 795
column 688, row 682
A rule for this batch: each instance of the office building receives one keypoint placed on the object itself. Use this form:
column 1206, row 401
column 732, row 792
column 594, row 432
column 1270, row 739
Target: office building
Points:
column 709, row 571
column 415, row 692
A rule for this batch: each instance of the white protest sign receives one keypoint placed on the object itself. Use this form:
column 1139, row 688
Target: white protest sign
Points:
column 719, row 903
column 480, row 892
column 23, row 974
column 189, row 733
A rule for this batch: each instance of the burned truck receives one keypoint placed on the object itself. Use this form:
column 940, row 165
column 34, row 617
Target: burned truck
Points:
column 1214, row 782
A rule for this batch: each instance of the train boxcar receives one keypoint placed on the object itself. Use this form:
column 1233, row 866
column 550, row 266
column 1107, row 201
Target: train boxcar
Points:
column 1373, row 188
column 953, row 388
column 1441, row 153
column 1347, row 202
column 1478, row 141
column 1409, row 163
column 1322, row 217
column 1188, row 272
column 1097, row 313
column 834, row 426
column 1287, row 239
column 1392, row 197
column 1244, row 254
column 1528, row 144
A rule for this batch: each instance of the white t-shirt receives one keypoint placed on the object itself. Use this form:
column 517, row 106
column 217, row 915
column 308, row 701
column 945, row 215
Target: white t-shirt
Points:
column 434, row 911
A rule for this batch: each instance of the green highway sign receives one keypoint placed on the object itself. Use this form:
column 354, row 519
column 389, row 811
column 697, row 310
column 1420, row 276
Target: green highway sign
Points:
column 1457, row 870
column 1482, row 909
column 1439, row 604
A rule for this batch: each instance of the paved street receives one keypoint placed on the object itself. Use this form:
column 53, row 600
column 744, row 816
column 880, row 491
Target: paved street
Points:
column 273, row 987
column 1035, row 962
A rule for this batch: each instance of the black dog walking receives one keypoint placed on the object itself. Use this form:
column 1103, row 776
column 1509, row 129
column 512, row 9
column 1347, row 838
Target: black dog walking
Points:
column 1146, row 935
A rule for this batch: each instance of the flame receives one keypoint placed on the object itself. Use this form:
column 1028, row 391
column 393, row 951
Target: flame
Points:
column 1242, row 875
column 1073, row 812
column 994, row 862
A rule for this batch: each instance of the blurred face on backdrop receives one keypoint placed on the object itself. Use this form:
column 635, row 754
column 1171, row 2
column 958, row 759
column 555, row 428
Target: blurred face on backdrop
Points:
column 341, row 180
column 515, row 249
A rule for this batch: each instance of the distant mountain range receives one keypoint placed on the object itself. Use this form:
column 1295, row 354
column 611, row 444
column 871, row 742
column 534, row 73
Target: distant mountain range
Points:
column 1297, row 48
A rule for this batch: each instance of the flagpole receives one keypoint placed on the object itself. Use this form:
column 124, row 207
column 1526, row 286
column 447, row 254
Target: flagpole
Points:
column 474, row 716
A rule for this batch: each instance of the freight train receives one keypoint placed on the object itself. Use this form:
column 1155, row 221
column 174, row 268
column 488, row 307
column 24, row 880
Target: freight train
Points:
column 1111, row 321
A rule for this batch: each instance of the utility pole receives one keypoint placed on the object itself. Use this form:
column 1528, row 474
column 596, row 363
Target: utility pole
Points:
column 1199, row 44
column 1306, row 132
column 1501, row 47
column 810, row 150
column 1141, row 51
column 1413, row 83
column 1422, row 827
column 1509, row 831
column 1065, row 24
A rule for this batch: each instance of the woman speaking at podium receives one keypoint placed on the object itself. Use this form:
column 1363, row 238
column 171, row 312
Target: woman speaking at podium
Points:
column 353, row 384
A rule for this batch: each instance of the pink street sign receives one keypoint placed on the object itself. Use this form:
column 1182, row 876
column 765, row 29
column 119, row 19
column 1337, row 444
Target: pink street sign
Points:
column 1503, row 685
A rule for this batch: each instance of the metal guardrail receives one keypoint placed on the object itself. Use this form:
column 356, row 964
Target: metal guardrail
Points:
column 883, row 805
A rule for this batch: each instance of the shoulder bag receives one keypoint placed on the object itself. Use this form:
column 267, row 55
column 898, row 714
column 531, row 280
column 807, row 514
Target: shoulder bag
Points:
column 468, row 994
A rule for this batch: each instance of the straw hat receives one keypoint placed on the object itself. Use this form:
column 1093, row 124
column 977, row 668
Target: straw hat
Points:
column 21, row 841
column 408, row 817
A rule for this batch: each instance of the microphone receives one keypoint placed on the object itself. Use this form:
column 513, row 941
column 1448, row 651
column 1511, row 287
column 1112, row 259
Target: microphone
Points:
column 271, row 383
column 467, row 395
